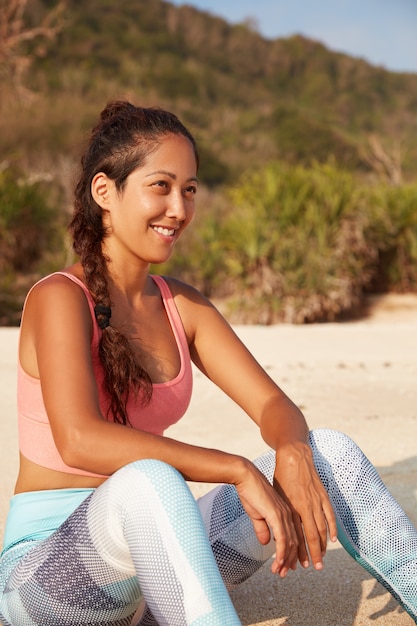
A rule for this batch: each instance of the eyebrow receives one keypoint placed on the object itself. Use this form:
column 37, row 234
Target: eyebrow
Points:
column 171, row 175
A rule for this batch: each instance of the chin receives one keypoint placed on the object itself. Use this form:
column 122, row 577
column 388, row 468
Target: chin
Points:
column 160, row 261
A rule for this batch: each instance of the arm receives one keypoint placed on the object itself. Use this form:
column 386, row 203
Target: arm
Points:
column 55, row 347
column 229, row 364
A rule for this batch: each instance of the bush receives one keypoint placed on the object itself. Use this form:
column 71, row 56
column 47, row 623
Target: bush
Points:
column 301, row 244
column 27, row 223
column 393, row 227
column 296, row 244
column 29, row 232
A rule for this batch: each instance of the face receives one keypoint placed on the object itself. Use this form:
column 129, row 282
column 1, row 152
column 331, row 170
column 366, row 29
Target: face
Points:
column 156, row 205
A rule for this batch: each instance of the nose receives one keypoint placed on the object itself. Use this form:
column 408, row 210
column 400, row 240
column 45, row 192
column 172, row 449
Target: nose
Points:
column 176, row 208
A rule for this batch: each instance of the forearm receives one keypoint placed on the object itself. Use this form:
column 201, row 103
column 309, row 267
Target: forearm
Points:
column 282, row 423
column 106, row 447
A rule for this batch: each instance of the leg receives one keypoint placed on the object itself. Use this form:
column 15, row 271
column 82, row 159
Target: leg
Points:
column 372, row 527
column 139, row 534
column 237, row 551
column 64, row 580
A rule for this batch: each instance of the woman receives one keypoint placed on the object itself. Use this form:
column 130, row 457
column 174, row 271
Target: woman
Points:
column 103, row 528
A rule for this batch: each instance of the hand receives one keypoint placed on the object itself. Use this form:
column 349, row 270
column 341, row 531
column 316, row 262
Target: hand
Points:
column 269, row 513
column 298, row 483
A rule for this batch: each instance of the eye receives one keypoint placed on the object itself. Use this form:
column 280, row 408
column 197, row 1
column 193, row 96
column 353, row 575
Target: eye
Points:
column 190, row 191
column 161, row 183
column 161, row 186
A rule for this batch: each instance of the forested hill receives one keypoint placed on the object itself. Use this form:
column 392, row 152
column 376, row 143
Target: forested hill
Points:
column 326, row 209
column 248, row 99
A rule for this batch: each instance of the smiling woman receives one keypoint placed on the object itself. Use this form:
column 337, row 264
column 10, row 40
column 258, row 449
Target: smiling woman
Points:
column 154, row 201
column 134, row 192
column 103, row 528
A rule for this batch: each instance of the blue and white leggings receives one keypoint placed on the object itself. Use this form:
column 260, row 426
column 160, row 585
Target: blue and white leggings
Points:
column 141, row 550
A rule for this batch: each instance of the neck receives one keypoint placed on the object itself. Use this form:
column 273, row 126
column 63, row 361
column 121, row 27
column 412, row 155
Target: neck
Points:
column 129, row 284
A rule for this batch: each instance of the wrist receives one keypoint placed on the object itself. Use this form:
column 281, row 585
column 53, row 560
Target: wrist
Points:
column 239, row 470
column 292, row 451
column 284, row 428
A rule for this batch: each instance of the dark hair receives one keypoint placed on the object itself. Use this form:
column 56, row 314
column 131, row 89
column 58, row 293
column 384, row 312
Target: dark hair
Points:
column 124, row 136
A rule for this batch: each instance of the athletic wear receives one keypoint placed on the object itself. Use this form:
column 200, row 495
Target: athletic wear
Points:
column 169, row 400
column 140, row 550
column 35, row 515
column 140, row 537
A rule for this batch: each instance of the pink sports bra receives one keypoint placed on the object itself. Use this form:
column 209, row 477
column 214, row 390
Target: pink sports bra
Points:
column 169, row 400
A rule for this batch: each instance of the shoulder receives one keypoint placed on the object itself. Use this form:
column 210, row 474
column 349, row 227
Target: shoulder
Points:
column 59, row 283
column 186, row 294
column 56, row 310
column 195, row 309
column 57, row 295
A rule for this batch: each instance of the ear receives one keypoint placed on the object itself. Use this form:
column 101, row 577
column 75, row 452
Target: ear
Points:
column 101, row 188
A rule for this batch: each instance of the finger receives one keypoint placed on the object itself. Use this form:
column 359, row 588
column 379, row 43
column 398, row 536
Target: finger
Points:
column 286, row 544
column 289, row 558
column 330, row 519
column 282, row 545
column 325, row 522
column 314, row 542
column 262, row 531
column 322, row 531
column 302, row 547
column 290, row 562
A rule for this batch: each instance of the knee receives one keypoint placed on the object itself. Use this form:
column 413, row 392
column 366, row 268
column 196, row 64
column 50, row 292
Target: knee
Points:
column 330, row 441
column 147, row 470
column 143, row 487
column 335, row 453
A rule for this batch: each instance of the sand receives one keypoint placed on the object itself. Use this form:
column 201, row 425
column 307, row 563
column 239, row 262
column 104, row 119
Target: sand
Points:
column 357, row 377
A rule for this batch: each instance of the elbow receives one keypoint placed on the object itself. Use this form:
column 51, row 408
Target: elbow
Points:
column 72, row 448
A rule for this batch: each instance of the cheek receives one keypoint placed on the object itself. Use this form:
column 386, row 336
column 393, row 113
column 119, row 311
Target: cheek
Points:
column 186, row 223
column 190, row 216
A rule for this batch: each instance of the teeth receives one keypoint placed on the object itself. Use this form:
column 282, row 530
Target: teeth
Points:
column 168, row 232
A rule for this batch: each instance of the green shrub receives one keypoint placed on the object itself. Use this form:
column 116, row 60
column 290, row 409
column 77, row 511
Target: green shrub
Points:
column 301, row 244
column 296, row 244
column 393, row 226
column 27, row 223
column 29, row 233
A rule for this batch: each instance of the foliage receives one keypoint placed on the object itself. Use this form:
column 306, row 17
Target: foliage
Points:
column 303, row 235
column 303, row 244
column 15, row 57
column 246, row 98
column 393, row 225
column 29, row 234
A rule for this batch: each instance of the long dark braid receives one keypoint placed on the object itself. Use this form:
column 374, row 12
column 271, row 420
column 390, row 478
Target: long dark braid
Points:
column 119, row 143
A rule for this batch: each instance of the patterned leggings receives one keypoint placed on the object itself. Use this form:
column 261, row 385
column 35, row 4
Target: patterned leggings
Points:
column 140, row 550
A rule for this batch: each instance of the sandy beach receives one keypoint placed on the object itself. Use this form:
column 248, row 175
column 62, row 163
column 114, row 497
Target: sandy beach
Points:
column 358, row 377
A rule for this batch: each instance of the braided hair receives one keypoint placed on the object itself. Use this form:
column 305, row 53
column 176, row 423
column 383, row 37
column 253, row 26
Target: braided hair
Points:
column 120, row 142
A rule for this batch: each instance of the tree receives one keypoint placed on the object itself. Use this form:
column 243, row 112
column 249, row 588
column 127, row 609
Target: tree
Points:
column 385, row 162
column 15, row 59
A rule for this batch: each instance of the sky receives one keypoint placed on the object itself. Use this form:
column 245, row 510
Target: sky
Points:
column 383, row 32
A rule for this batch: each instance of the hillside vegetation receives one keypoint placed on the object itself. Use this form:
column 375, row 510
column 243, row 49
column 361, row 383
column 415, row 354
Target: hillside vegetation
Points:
column 302, row 150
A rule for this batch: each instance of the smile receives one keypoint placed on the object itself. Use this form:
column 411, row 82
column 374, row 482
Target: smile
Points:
column 168, row 232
